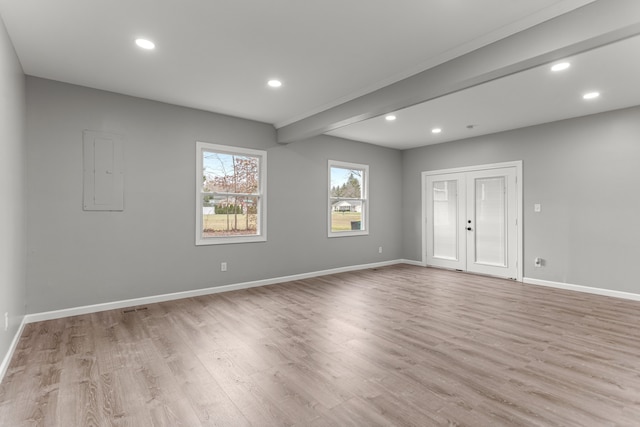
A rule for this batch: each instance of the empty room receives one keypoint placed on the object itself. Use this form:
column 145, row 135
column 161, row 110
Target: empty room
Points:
column 319, row 213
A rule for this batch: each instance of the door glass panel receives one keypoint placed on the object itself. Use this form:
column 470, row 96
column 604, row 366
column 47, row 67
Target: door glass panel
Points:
column 445, row 215
column 490, row 221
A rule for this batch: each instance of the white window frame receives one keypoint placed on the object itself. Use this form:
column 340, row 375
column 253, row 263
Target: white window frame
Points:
column 364, row 199
column 261, row 235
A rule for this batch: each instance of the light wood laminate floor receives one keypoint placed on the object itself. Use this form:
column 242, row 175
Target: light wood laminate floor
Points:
column 400, row 345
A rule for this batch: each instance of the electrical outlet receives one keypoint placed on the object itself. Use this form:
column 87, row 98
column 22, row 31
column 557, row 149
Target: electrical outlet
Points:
column 223, row 266
column 380, row 250
column 6, row 321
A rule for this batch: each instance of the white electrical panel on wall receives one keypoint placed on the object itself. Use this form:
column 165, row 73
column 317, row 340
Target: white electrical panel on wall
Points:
column 103, row 158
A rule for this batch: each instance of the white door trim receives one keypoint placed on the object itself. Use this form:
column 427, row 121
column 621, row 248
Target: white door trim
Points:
column 519, row 199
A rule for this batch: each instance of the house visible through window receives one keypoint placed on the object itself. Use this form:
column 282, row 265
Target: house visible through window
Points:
column 348, row 202
column 231, row 194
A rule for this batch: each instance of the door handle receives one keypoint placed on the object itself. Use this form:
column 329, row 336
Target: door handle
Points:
column 468, row 228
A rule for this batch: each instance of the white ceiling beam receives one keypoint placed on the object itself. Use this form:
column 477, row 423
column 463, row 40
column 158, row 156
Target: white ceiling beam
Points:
column 594, row 25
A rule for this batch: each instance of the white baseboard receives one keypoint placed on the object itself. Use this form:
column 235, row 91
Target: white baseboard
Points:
column 75, row 311
column 49, row 315
column 580, row 288
column 412, row 262
column 14, row 344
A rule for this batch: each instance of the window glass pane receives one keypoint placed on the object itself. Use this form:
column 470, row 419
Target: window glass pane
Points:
column 347, row 198
column 445, row 217
column 229, row 173
column 346, row 183
column 491, row 222
column 346, row 215
column 229, row 216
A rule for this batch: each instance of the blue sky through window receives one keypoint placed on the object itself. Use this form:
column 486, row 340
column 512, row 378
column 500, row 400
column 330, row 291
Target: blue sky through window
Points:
column 340, row 176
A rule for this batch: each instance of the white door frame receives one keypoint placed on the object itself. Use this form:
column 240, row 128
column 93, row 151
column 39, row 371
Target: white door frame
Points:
column 515, row 164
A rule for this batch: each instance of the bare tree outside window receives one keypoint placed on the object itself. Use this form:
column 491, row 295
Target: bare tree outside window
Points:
column 231, row 195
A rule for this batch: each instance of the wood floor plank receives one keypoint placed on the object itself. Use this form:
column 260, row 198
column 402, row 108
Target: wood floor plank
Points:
column 257, row 406
column 400, row 345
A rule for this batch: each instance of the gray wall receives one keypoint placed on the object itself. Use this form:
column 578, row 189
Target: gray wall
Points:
column 12, row 191
column 585, row 174
column 77, row 258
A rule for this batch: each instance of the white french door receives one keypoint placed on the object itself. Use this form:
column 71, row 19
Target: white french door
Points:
column 446, row 216
column 471, row 219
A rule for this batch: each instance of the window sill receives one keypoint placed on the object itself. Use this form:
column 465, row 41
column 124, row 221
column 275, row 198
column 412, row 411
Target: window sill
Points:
column 200, row 241
column 348, row 233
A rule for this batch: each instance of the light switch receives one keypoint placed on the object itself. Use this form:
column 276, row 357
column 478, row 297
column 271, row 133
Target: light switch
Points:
column 536, row 207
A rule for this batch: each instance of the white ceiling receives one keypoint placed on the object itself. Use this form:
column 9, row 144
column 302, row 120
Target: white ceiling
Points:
column 528, row 98
column 216, row 55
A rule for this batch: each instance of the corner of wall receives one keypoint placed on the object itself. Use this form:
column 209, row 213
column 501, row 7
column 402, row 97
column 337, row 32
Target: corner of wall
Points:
column 12, row 193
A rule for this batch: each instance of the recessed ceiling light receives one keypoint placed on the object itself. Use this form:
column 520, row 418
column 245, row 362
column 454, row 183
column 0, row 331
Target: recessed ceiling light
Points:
column 145, row 44
column 561, row 66
column 390, row 118
column 591, row 95
column 436, row 130
column 274, row 83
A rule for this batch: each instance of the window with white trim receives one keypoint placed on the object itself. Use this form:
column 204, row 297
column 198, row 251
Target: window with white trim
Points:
column 348, row 199
column 231, row 198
